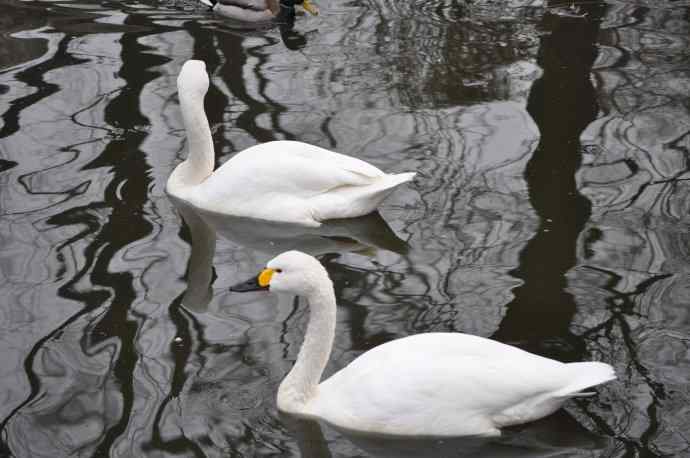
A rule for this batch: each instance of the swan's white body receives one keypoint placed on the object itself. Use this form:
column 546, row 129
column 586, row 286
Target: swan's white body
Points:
column 284, row 181
column 435, row 384
column 448, row 384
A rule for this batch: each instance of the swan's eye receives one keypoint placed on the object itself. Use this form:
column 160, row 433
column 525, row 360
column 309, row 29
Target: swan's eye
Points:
column 279, row 270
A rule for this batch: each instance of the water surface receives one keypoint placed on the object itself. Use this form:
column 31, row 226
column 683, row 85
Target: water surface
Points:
column 551, row 211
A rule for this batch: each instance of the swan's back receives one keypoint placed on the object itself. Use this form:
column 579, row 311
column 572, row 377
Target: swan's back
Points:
column 294, row 182
column 447, row 384
column 296, row 168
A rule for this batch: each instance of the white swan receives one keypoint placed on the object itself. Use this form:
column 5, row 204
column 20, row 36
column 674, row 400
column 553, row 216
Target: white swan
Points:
column 283, row 181
column 435, row 384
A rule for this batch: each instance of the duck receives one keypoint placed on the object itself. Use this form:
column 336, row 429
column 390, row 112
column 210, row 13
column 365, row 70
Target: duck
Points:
column 259, row 11
column 437, row 384
column 285, row 181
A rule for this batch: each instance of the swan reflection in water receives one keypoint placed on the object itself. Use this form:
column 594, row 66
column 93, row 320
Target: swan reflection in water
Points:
column 558, row 435
column 364, row 235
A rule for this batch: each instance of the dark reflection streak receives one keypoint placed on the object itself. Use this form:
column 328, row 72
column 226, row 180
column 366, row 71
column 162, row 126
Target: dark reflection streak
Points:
column 601, row 424
column 6, row 164
column 127, row 223
column 639, row 15
column 23, row 179
column 629, row 163
column 191, row 332
column 176, row 445
column 93, row 299
column 78, row 189
column 309, row 437
column 33, row 76
column 622, row 305
column 356, row 315
column 658, row 197
column 562, row 103
column 277, row 108
column 33, row 378
column 199, row 329
column 360, row 283
column 98, row 100
column 215, row 102
column 674, row 145
column 232, row 72
column 446, row 171
column 184, row 322
column 181, row 352
column 326, row 130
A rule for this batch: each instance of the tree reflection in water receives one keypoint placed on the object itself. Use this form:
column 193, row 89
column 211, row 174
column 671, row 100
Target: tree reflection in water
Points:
column 569, row 239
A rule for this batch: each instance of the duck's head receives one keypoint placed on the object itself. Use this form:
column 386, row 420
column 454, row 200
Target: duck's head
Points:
column 193, row 79
column 292, row 272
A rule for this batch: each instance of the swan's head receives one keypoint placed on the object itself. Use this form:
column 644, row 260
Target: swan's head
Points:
column 291, row 272
column 193, row 78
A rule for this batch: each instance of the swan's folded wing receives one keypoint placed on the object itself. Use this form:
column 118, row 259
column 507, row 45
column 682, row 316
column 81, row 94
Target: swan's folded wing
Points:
column 295, row 168
column 427, row 386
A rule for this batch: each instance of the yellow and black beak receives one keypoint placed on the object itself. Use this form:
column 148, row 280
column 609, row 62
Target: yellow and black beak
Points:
column 259, row 283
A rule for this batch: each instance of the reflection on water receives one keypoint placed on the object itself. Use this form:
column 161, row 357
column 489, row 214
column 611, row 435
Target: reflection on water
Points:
column 551, row 211
column 562, row 102
column 559, row 435
column 264, row 240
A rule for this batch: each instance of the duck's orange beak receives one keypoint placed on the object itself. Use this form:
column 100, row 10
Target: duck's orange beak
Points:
column 309, row 7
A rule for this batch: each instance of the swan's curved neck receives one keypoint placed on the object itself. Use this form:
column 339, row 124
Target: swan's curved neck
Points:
column 200, row 159
column 301, row 384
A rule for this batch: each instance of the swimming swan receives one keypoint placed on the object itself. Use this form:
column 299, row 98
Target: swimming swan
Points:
column 285, row 181
column 258, row 11
column 434, row 384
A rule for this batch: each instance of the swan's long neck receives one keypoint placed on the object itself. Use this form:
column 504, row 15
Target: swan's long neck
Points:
column 200, row 159
column 301, row 384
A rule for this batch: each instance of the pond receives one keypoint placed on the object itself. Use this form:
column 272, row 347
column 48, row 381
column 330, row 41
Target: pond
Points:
column 551, row 211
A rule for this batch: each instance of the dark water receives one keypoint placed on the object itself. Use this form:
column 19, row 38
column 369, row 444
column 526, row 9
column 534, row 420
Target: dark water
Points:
column 551, row 211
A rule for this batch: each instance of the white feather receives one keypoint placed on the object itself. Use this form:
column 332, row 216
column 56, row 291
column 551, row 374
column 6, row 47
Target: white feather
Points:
column 285, row 181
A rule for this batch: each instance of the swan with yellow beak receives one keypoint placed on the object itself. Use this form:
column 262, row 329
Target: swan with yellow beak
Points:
column 431, row 385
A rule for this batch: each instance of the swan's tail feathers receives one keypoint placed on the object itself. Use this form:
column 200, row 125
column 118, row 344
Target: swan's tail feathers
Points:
column 371, row 196
column 586, row 375
column 400, row 178
column 352, row 201
column 386, row 184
